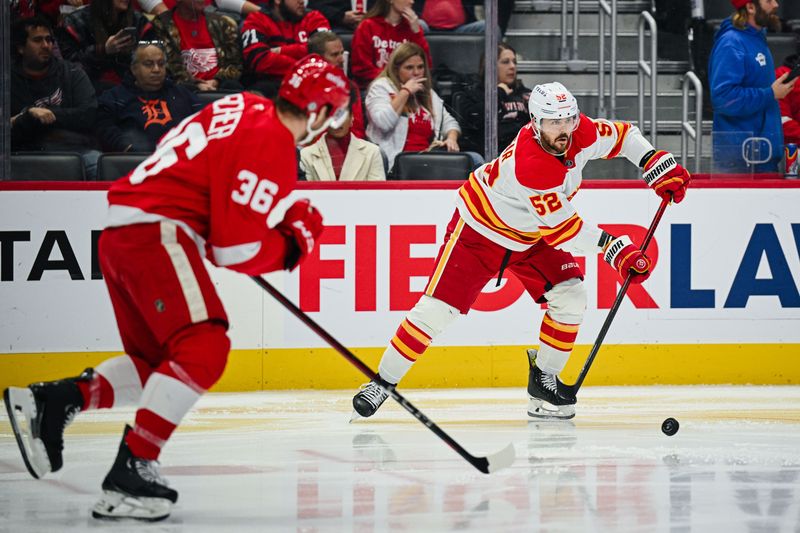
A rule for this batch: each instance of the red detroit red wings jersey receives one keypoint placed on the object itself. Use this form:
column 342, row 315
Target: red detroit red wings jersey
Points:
column 524, row 195
column 261, row 33
column 218, row 175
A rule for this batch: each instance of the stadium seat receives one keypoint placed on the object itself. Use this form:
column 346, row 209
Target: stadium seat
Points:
column 461, row 52
column 206, row 97
column 781, row 45
column 432, row 166
column 718, row 9
column 114, row 166
column 47, row 166
column 347, row 39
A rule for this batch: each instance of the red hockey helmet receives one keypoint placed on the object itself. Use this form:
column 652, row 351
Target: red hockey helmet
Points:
column 311, row 85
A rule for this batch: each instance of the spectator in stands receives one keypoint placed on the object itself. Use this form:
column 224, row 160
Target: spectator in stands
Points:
column 341, row 156
column 135, row 115
column 50, row 9
column 343, row 15
column 449, row 15
column 233, row 7
column 330, row 47
column 387, row 25
column 512, row 104
column 53, row 104
column 274, row 38
column 744, row 91
column 202, row 48
column 790, row 105
column 405, row 113
column 100, row 37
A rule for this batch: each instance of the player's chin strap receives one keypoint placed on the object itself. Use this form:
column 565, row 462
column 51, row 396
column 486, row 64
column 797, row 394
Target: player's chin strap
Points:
column 334, row 121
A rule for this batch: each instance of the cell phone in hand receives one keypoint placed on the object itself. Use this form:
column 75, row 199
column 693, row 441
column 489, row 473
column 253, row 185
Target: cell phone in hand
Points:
column 793, row 73
column 132, row 32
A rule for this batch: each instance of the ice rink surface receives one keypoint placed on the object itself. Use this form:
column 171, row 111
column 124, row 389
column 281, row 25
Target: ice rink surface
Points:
column 290, row 461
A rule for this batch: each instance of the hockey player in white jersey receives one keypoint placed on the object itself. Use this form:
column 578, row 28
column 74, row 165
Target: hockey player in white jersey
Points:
column 515, row 213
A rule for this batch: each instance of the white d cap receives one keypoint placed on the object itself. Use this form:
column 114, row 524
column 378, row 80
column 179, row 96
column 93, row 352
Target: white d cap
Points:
column 551, row 100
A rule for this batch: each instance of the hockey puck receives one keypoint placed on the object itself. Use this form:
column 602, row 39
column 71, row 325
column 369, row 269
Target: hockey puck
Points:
column 670, row 426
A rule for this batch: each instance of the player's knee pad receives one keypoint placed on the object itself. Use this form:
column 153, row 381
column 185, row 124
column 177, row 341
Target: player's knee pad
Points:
column 432, row 315
column 199, row 353
column 566, row 301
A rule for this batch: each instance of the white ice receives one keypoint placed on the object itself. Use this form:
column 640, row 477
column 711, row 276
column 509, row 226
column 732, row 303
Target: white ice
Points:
column 289, row 461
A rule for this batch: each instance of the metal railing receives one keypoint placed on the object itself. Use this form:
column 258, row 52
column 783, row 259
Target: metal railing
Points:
column 648, row 70
column 687, row 130
column 606, row 10
column 568, row 52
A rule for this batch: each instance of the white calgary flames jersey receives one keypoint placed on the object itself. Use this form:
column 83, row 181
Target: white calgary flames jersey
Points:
column 524, row 195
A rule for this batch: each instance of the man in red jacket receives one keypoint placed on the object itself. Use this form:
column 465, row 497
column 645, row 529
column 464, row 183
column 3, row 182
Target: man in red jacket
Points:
column 206, row 192
column 790, row 105
column 273, row 39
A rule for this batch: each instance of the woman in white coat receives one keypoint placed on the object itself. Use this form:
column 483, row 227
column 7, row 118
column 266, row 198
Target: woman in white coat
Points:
column 404, row 112
column 341, row 156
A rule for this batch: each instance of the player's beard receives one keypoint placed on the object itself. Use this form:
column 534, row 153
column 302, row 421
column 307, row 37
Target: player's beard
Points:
column 765, row 19
column 552, row 147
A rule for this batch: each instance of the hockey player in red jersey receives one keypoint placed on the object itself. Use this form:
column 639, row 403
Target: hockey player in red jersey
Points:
column 206, row 192
column 516, row 213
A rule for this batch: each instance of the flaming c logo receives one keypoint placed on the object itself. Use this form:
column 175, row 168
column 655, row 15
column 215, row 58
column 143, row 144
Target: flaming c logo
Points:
column 155, row 112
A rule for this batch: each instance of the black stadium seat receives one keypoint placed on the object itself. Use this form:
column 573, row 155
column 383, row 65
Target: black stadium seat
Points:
column 47, row 166
column 432, row 166
column 114, row 166
column 460, row 52
column 206, row 97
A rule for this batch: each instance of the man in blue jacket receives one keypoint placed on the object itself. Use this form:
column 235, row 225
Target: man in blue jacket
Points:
column 747, row 133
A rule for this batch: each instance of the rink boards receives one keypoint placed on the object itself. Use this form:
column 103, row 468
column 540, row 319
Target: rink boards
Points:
column 722, row 305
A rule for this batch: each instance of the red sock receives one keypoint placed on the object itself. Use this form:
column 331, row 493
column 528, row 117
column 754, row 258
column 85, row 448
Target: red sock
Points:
column 97, row 393
column 149, row 435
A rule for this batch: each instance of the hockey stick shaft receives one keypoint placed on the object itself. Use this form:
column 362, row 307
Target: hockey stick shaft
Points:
column 484, row 464
column 618, row 301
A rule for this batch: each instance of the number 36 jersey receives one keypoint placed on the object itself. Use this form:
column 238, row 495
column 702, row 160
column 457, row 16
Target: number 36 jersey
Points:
column 217, row 175
column 524, row 196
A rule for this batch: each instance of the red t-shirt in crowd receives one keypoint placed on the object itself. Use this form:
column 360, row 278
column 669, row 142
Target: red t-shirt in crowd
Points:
column 444, row 14
column 420, row 131
column 373, row 43
column 197, row 49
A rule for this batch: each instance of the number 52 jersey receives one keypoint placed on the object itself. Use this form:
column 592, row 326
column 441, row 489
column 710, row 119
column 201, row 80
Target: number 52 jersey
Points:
column 218, row 175
column 524, row 196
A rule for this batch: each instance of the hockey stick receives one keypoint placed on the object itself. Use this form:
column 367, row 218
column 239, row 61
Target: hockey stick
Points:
column 618, row 301
column 487, row 465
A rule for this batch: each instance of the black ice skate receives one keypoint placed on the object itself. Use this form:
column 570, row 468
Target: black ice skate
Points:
column 370, row 397
column 549, row 397
column 134, row 489
column 39, row 413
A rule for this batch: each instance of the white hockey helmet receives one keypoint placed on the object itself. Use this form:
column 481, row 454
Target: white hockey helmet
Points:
column 553, row 101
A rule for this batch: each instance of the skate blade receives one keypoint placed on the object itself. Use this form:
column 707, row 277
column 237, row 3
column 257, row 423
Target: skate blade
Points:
column 354, row 416
column 114, row 505
column 21, row 408
column 542, row 410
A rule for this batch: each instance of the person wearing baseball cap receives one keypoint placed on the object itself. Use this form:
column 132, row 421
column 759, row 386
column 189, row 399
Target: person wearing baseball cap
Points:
column 747, row 133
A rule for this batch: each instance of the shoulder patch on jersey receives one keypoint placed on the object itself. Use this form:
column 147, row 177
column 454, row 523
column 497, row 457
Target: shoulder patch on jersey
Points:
column 586, row 134
column 535, row 168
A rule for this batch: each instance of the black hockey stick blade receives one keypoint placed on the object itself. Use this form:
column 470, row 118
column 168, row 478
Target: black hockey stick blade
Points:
column 489, row 464
column 617, row 302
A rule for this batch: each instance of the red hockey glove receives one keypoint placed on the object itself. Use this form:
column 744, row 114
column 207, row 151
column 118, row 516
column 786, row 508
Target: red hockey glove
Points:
column 623, row 255
column 302, row 225
column 665, row 176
